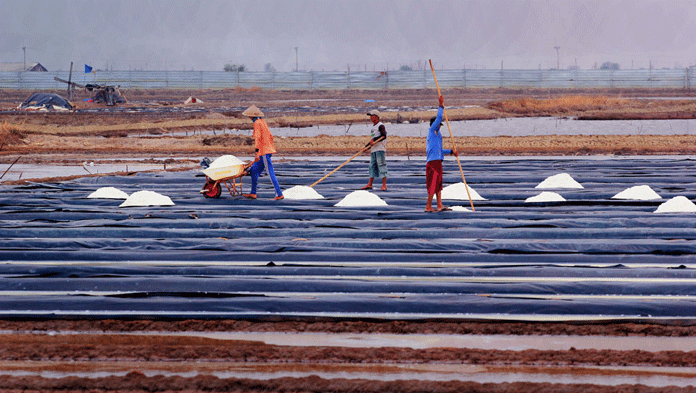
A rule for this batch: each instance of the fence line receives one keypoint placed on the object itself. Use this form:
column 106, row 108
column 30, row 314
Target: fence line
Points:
column 323, row 80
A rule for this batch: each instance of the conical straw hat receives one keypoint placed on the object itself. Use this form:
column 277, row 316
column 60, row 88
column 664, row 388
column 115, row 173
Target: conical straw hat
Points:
column 253, row 111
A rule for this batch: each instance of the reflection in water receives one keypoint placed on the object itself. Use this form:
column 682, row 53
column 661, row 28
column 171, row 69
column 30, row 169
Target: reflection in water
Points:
column 607, row 376
column 527, row 126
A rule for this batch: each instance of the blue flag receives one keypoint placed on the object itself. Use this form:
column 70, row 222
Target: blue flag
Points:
column 88, row 69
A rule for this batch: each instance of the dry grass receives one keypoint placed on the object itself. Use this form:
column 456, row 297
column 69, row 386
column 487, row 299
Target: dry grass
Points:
column 10, row 134
column 560, row 105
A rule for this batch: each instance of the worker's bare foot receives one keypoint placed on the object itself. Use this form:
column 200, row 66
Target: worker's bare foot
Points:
column 367, row 187
column 279, row 197
column 442, row 208
column 384, row 188
column 429, row 209
column 250, row 196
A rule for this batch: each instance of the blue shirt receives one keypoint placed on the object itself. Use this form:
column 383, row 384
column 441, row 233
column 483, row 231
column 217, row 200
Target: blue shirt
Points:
column 433, row 144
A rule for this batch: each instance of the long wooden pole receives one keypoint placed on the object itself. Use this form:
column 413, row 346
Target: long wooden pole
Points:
column 8, row 168
column 452, row 137
column 339, row 167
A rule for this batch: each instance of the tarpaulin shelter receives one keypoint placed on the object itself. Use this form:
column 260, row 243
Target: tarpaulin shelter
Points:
column 46, row 101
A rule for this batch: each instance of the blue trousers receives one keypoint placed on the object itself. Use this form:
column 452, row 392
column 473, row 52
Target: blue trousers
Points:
column 256, row 170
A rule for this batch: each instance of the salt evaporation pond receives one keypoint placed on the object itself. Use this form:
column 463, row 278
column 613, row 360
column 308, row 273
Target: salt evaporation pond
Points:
column 591, row 257
column 525, row 126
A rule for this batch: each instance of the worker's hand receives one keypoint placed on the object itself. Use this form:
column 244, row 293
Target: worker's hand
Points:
column 441, row 101
column 372, row 143
column 454, row 153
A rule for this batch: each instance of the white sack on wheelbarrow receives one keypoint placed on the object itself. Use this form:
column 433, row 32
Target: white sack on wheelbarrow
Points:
column 224, row 167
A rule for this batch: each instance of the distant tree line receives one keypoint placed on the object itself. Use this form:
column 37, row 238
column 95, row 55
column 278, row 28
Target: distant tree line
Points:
column 268, row 67
column 234, row 67
column 608, row 65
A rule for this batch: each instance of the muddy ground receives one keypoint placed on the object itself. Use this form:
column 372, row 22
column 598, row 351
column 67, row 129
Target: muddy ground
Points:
column 34, row 346
column 95, row 131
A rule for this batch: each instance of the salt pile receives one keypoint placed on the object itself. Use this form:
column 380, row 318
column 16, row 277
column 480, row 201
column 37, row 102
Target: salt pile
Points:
column 639, row 193
column 108, row 193
column 361, row 198
column 301, row 192
column 460, row 209
column 457, row 191
column 228, row 160
column 546, row 196
column 147, row 198
column 678, row 204
column 562, row 180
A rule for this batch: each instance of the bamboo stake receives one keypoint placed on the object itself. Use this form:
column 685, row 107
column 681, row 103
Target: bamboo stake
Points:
column 8, row 168
column 349, row 160
column 339, row 167
column 452, row 137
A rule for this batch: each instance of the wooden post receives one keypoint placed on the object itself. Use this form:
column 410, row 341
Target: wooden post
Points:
column 70, row 86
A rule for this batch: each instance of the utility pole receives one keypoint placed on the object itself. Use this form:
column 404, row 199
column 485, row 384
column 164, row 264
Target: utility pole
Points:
column 24, row 48
column 558, row 57
column 297, row 68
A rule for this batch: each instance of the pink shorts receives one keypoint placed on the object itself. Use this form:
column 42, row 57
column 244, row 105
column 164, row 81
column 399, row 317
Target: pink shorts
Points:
column 433, row 176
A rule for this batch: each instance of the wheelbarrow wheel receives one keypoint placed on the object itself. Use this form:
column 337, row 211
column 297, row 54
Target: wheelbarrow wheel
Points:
column 212, row 189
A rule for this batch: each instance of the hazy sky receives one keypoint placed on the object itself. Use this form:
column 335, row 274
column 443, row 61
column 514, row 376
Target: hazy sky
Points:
column 337, row 34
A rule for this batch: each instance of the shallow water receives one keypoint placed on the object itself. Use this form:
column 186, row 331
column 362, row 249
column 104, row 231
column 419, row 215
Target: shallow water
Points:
column 608, row 376
column 33, row 171
column 527, row 126
column 591, row 257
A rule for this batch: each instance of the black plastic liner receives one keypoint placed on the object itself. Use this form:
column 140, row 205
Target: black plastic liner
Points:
column 590, row 257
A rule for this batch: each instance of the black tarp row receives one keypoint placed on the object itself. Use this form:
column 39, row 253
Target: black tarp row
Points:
column 592, row 255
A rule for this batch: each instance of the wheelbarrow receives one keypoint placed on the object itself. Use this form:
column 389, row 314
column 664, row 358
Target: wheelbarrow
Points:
column 227, row 175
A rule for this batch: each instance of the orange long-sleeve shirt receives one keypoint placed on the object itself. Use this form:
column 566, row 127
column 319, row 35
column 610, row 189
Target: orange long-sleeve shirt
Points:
column 263, row 138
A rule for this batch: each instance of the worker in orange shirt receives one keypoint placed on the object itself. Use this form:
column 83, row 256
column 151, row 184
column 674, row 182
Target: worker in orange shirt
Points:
column 264, row 150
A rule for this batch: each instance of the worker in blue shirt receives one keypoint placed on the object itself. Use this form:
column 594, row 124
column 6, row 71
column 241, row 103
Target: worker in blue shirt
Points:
column 435, row 154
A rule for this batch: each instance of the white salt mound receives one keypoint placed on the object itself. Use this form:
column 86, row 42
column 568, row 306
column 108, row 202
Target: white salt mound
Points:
column 678, row 204
column 361, row 198
column 223, row 161
column 147, row 198
column 457, row 191
column 301, row 192
column 639, row 193
column 562, row 180
column 108, row 193
column 460, row 209
column 546, row 196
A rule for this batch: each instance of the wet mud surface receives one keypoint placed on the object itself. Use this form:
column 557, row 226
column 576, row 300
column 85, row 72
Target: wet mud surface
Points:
column 51, row 361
